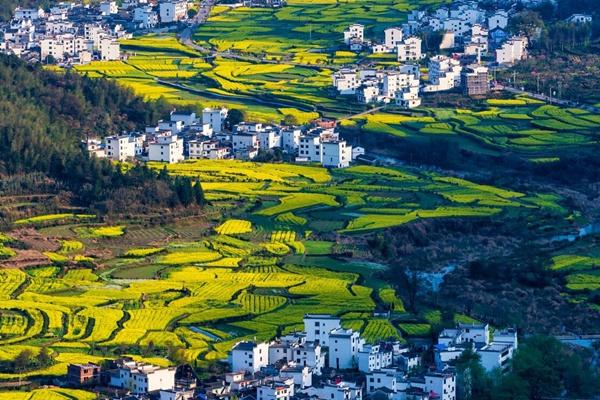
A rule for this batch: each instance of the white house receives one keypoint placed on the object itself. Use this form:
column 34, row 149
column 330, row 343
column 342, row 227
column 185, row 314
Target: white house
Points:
column 344, row 345
column 290, row 139
column 383, row 378
column 499, row 19
column 336, row 154
column 277, row 390
column 354, row 31
column 301, row 375
column 108, row 8
column 444, row 74
column 167, row 148
column 513, row 50
column 145, row 16
column 496, row 355
column 173, row 11
column 245, row 140
column 580, row 19
column 441, row 383
column 318, row 327
column 336, row 391
column 215, row 117
column 177, row 394
column 29, row 13
column 187, row 118
column 109, row 49
column 211, row 149
column 309, row 354
column 345, row 81
column 249, row 356
column 172, row 126
column 374, row 357
column 120, row 147
column 393, row 37
column 410, row 49
column 143, row 379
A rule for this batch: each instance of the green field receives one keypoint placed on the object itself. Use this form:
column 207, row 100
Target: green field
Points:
column 353, row 200
column 537, row 131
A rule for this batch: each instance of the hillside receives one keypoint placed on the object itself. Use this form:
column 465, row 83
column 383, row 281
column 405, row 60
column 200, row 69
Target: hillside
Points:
column 46, row 115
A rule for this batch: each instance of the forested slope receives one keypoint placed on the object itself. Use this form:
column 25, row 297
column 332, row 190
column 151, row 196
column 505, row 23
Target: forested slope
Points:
column 45, row 115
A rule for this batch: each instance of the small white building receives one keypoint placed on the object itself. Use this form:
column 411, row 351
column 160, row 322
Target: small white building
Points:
column 29, row 13
column 249, row 356
column 244, row 141
column 167, row 148
column 290, row 139
column 345, row 81
column 120, row 147
column 580, row 19
column 374, row 357
column 301, row 375
column 173, row 11
column 393, row 37
column 172, row 126
column 215, row 117
column 187, row 118
column 143, row 379
column 513, row 50
column 177, row 394
column 496, row 355
column 336, row 154
column 441, row 383
column 109, row 49
column 354, row 31
column 410, row 49
column 386, row 378
column 108, row 8
column 444, row 74
column 145, row 17
column 277, row 390
column 499, row 19
column 318, row 327
column 336, row 391
column 344, row 345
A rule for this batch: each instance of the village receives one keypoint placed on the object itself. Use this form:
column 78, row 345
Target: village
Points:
column 184, row 136
column 324, row 361
column 474, row 43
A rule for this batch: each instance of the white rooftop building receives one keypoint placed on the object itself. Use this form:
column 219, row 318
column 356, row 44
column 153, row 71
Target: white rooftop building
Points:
column 166, row 148
column 143, row 379
column 249, row 356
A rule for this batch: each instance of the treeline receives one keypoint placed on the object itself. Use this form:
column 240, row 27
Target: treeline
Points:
column 45, row 117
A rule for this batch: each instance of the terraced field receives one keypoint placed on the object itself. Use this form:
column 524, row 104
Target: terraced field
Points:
column 364, row 198
column 527, row 126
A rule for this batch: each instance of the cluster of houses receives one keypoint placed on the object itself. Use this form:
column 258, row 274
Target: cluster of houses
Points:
column 184, row 136
column 324, row 361
column 74, row 33
column 300, row 365
column 127, row 379
column 469, row 34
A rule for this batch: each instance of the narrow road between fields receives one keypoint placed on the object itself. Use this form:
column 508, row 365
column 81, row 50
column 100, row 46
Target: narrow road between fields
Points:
column 552, row 100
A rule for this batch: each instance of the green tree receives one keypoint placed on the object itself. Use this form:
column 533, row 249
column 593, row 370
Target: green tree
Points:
column 234, row 117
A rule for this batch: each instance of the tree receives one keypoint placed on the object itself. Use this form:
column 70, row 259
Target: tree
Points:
column 290, row 120
column 23, row 360
column 234, row 117
column 199, row 194
column 45, row 357
column 528, row 23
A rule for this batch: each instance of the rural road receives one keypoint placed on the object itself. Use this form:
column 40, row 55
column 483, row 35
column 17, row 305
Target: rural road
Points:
column 552, row 100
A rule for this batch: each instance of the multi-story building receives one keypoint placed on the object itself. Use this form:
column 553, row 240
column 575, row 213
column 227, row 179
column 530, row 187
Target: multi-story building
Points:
column 108, row 8
column 120, row 147
column 356, row 32
column 344, row 345
column 249, row 356
column 475, row 80
column 444, row 74
column 83, row 374
column 215, row 117
column 409, row 49
column 374, row 357
column 145, row 17
column 109, row 49
column 346, row 81
column 166, row 148
column 393, row 37
column 513, row 50
column 276, row 390
column 173, row 11
column 318, row 327
column 141, row 378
